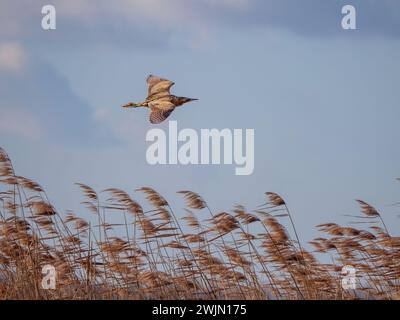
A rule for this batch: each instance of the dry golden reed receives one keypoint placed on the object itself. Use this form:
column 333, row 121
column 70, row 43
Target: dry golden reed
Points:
column 127, row 250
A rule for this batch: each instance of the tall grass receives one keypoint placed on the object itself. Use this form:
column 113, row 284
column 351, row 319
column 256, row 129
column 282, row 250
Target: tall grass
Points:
column 155, row 253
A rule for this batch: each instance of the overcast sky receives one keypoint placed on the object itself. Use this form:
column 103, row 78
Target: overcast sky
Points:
column 324, row 102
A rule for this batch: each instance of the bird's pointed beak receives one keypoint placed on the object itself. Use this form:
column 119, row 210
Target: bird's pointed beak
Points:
column 193, row 99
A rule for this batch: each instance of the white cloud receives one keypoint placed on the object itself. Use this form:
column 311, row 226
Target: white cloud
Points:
column 161, row 13
column 148, row 18
column 155, row 12
column 237, row 4
column 125, row 125
column 20, row 123
column 18, row 21
column 12, row 56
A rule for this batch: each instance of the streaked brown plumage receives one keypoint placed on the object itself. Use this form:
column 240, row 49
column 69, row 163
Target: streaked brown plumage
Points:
column 159, row 99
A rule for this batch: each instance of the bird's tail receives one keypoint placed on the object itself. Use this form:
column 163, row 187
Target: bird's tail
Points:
column 132, row 105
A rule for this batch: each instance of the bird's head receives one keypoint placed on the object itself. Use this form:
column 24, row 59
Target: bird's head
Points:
column 182, row 100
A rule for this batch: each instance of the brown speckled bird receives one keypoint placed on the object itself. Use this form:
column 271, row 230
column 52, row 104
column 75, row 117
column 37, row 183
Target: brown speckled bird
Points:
column 159, row 100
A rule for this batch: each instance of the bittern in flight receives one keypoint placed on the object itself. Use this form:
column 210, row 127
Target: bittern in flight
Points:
column 159, row 100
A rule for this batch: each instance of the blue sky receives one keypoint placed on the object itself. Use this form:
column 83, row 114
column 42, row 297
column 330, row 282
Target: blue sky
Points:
column 323, row 101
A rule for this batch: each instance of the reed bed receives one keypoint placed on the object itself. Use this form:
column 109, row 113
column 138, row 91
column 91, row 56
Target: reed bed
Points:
column 155, row 252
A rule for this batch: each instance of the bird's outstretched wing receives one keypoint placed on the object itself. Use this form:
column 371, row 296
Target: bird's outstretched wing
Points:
column 158, row 85
column 160, row 111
